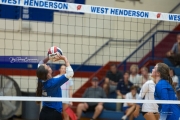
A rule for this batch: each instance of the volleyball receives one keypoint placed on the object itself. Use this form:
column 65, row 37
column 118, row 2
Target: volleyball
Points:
column 53, row 51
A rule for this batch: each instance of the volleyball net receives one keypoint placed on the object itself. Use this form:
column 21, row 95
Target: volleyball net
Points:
column 92, row 37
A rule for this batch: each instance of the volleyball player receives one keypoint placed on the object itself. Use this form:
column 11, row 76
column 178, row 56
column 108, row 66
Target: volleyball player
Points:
column 149, row 110
column 51, row 88
column 164, row 91
column 66, row 89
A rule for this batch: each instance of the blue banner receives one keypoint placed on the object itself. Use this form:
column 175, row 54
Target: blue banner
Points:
column 32, row 14
column 21, row 59
column 9, row 12
column 37, row 14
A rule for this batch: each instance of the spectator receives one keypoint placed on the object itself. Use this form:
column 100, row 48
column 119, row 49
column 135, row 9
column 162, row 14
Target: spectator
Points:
column 112, row 78
column 135, row 78
column 129, row 108
column 145, row 76
column 66, row 89
column 174, row 53
column 178, row 93
column 123, row 88
column 93, row 92
column 174, row 78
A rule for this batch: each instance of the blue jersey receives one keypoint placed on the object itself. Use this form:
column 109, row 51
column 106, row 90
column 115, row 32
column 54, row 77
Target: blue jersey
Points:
column 164, row 91
column 52, row 88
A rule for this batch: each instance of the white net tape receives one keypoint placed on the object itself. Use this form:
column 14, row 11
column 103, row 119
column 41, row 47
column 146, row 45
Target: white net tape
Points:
column 101, row 10
column 7, row 98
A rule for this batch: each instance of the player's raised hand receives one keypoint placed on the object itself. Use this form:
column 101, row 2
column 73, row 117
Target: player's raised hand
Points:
column 60, row 57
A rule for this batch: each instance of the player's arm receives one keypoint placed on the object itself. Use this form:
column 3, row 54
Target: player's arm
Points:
column 64, row 78
column 69, row 70
column 144, row 90
column 136, row 111
column 43, row 61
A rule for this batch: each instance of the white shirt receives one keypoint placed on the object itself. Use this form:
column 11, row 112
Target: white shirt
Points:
column 136, row 80
column 129, row 96
column 176, row 80
column 147, row 90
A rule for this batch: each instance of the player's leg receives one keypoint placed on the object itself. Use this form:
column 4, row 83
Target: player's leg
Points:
column 49, row 114
column 131, row 117
column 80, row 108
column 157, row 116
column 65, row 106
column 98, row 110
column 150, row 116
column 128, row 111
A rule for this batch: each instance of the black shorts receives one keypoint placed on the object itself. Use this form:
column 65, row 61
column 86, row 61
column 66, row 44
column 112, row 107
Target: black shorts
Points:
column 90, row 109
column 49, row 114
column 147, row 112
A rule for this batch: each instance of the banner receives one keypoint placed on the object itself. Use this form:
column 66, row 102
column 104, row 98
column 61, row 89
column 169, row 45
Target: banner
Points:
column 21, row 59
column 71, row 7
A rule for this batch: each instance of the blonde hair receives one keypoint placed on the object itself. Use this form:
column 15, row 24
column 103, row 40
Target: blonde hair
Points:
column 134, row 66
column 145, row 68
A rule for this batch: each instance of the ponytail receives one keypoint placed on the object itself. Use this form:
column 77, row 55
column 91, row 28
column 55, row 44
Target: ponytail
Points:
column 39, row 90
column 42, row 75
column 171, row 82
column 164, row 73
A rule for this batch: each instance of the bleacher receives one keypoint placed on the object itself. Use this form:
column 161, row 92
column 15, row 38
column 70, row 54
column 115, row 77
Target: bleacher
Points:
column 109, row 112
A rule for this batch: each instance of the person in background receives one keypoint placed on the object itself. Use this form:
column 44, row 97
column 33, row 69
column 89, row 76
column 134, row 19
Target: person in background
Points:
column 112, row 78
column 122, row 89
column 174, row 53
column 145, row 76
column 129, row 108
column 92, row 92
column 164, row 91
column 67, row 91
column 174, row 78
column 135, row 78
